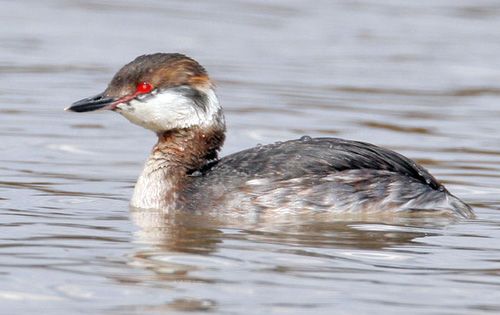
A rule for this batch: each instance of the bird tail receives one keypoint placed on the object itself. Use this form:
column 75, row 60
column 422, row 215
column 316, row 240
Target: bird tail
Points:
column 460, row 207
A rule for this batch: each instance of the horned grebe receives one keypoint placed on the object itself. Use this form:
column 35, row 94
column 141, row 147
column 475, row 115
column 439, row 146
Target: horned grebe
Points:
column 172, row 95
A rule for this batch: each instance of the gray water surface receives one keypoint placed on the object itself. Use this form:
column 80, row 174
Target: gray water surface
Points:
column 419, row 77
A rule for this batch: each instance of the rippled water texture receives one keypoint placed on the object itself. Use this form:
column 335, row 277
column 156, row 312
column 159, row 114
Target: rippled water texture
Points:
column 420, row 77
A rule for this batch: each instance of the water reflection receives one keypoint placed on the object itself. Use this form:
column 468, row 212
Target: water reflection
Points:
column 176, row 243
column 302, row 251
column 177, row 231
column 190, row 250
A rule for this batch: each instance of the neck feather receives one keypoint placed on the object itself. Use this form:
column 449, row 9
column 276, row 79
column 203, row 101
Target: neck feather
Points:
column 177, row 153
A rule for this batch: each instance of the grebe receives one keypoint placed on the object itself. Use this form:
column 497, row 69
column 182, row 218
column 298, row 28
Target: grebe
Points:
column 172, row 95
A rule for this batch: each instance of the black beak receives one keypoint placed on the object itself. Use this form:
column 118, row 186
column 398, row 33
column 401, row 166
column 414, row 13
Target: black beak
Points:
column 100, row 101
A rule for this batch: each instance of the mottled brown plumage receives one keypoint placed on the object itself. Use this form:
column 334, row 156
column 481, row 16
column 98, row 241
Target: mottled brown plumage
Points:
column 161, row 70
column 172, row 95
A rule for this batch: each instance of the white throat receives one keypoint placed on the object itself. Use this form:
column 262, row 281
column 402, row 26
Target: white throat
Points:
column 179, row 107
column 153, row 190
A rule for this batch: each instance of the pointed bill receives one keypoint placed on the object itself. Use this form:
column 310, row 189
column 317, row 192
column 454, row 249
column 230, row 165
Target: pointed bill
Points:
column 99, row 101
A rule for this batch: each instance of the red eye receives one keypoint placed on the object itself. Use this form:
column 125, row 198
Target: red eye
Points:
column 144, row 87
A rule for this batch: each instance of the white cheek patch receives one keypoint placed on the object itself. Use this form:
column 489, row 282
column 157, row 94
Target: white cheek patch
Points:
column 170, row 109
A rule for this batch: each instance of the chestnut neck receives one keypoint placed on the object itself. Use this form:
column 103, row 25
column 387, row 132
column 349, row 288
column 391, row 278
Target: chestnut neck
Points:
column 178, row 153
column 188, row 149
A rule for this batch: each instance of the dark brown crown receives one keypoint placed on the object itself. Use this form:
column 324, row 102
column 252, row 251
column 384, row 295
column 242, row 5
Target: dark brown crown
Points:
column 161, row 70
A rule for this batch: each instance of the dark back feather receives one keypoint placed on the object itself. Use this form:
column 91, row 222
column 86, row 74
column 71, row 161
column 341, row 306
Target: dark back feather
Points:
column 296, row 158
